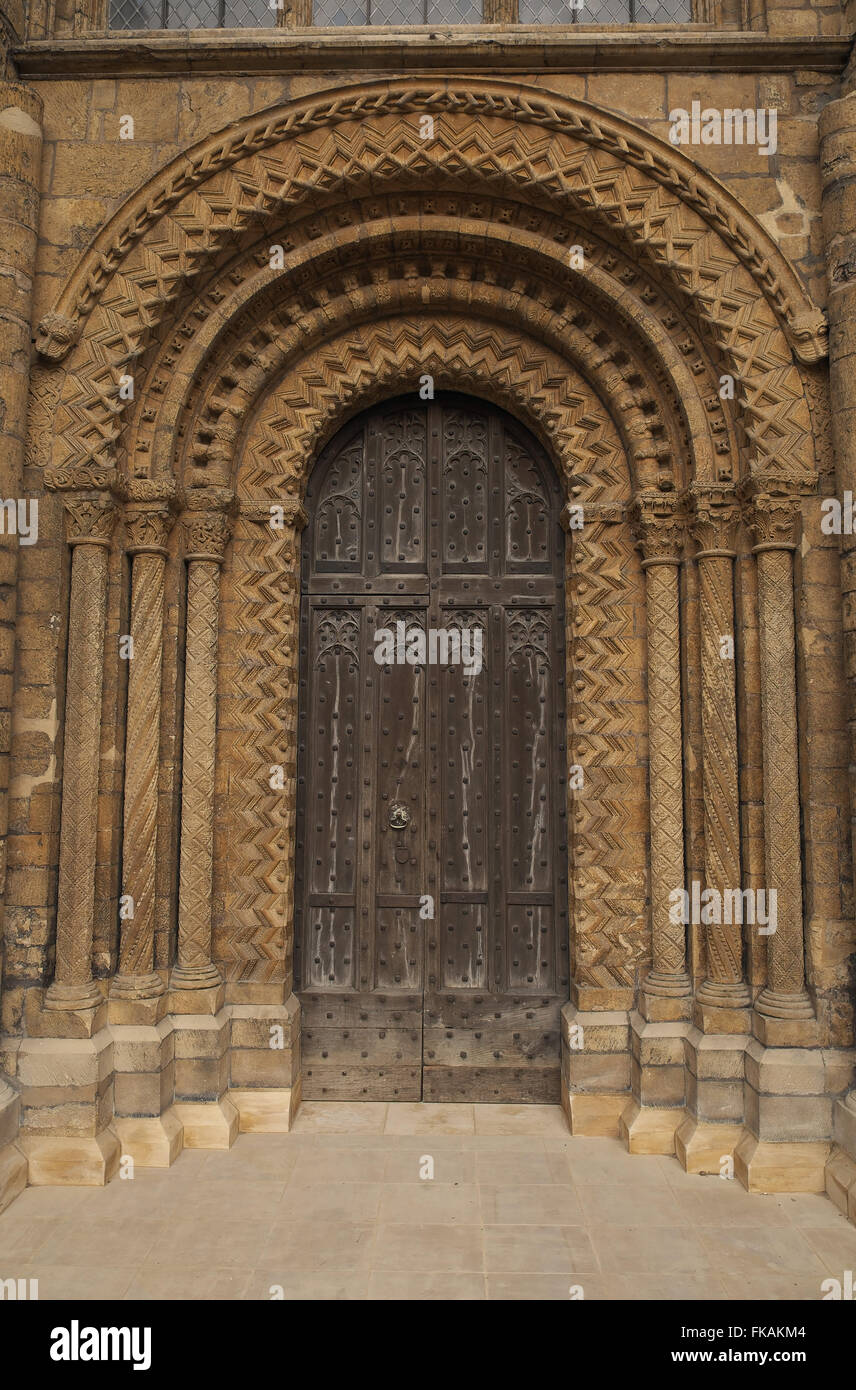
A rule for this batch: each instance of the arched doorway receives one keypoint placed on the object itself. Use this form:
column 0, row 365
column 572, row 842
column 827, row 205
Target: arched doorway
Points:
column 431, row 903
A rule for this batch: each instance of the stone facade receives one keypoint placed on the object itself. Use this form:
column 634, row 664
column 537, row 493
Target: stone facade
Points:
column 677, row 328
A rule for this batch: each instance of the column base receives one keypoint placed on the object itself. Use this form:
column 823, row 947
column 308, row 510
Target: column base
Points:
column 665, row 998
column 701, row 1148
column 785, row 1020
column 593, row 1116
column 208, row 1124
column 152, row 1141
column 149, row 986
column 764, row 1166
column 72, row 998
column 723, row 1008
column 646, row 1130
column 196, row 998
column 266, row 1111
column 66, row 1161
column 13, row 1174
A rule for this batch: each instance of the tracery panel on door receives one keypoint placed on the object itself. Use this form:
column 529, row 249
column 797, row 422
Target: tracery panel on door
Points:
column 431, row 886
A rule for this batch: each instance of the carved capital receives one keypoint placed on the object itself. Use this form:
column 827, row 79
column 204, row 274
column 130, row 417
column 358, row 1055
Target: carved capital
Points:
column 659, row 525
column 207, row 535
column 148, row 529
column 715, row 518
column 56, row 334
column 90, row 521
column 774, row 511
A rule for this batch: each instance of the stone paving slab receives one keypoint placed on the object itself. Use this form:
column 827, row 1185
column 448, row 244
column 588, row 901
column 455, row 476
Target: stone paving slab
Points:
column 342, row 1208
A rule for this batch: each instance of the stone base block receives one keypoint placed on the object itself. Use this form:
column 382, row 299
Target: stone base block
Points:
column 649, row 1130
column 264, row 1111
column 840, row 1178
column 786, row 1032
column 596, row 1116
column 763, row 1166
column 207, row 1124
column 13, row 1174
column 700, row 1148
column 71, row 1161
column 151, row 1141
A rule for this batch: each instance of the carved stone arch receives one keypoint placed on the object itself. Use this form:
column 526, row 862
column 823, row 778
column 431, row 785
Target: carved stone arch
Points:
column 652, row 196
column 529, row 284
column 606, row 712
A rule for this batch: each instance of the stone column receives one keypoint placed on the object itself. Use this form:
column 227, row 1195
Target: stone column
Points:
column 722, row 1002
column 90, row 527
column 147, row 524
column 783, row 1010
column 208, row 532
column 659, row 529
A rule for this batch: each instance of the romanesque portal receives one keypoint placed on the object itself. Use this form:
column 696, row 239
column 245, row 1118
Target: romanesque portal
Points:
column 536, row 382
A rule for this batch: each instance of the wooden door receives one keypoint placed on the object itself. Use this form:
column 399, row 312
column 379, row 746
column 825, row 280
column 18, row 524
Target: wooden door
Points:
column 431, row 931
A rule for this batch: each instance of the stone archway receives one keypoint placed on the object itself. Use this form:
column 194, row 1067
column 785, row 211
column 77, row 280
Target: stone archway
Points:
column 453, row 260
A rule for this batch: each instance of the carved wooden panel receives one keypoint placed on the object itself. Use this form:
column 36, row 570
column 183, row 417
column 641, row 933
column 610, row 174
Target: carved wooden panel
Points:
column 431, row 919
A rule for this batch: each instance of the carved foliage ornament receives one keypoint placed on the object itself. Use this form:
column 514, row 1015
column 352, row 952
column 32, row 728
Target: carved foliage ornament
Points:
column 659, row 525
column 208, row 535
column 716, row 514
column 775, row 513
column 90, row 521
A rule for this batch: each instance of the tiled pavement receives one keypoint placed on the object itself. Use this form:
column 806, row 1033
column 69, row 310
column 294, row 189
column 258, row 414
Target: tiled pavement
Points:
column 338, row 1209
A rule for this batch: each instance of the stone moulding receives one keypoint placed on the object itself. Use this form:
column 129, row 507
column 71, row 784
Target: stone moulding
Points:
column 512, row 48
column 480, row 99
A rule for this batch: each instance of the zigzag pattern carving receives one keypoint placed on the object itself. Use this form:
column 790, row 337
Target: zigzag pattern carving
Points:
column 660, row 211
column 515, row 372
column 252, row 942
column 608, row 871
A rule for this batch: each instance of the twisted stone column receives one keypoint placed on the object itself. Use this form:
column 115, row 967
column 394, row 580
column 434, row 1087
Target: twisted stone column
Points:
column 208, row 533
column 90, row 527
column 724, row 992
column 659, row 530
column 148, row 526
column 775, row 521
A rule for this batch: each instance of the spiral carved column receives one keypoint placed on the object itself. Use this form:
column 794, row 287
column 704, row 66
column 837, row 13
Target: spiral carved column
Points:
column 90, row 522
column 784, row 1012
column 723, row 1000
column 208, row 533
column 659, row 530
column 148, row 525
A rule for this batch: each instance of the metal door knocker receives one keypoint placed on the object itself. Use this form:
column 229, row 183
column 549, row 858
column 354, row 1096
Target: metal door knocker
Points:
column 399, row 816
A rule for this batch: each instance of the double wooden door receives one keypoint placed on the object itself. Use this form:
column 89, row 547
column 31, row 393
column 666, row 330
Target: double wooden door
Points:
column 431, row 932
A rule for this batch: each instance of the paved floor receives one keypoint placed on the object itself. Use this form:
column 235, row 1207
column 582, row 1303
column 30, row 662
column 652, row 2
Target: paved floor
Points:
column 339, row 1209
